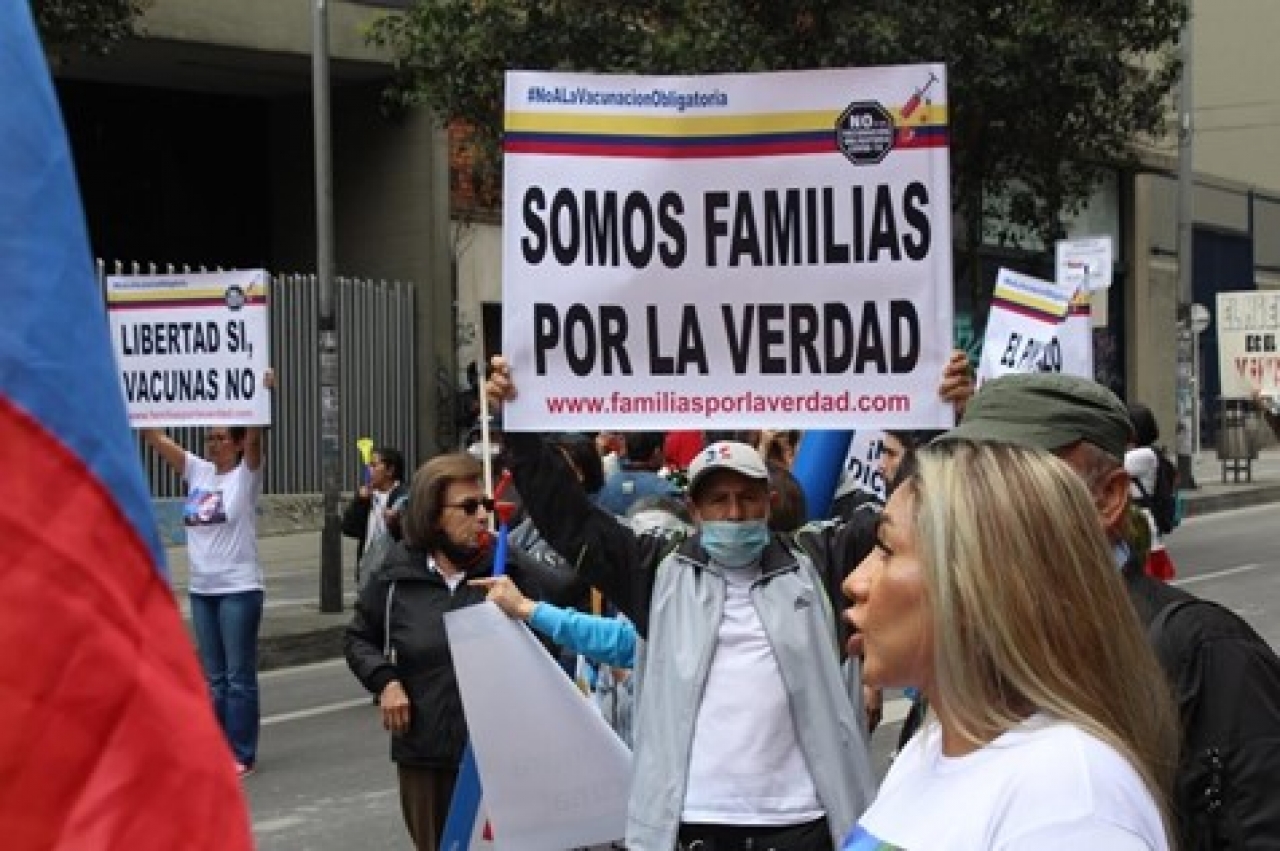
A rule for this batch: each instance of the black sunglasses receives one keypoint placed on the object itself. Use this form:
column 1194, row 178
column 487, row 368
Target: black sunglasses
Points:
column 471, row 504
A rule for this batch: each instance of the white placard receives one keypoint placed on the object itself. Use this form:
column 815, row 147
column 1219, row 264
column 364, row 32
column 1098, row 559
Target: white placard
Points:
column 1084, row 264
column 192, row 348
column 1248, row 325
column 554, row 775
column 1022, row 327
column 748, row 250
column 1075, row 336
column 862, row 465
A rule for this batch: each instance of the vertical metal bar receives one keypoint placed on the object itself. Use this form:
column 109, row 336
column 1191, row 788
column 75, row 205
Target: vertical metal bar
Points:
column 1188, row 402
column 330, row 411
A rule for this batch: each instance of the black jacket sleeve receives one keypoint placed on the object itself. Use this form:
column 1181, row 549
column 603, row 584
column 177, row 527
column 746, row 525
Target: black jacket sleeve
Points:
column 1226, row 682
column 363, row 640
column 604, row 552
column 540, row 579
column 355, row 520
column 838, row 546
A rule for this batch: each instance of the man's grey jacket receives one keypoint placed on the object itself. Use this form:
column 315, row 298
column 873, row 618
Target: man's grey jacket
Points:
column 676, row 599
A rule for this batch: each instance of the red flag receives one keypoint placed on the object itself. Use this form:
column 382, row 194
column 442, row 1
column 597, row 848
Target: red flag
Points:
column 107, row 734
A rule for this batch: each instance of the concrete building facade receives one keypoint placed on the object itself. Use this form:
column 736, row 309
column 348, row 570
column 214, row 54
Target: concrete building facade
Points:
column 1235, row 203
column 193, row 144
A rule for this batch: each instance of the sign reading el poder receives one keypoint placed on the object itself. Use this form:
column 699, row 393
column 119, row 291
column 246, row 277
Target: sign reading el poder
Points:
column 1022, row 329
column 191, row 348
column 751, row 250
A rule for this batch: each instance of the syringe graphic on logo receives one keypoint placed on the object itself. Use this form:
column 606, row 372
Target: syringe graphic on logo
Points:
column 918, row 97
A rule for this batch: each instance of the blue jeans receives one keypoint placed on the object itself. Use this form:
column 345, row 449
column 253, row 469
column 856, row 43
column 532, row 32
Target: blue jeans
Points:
column 226, row 627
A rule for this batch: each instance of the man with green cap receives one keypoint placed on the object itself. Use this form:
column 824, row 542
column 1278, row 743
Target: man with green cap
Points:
column 1225, row 678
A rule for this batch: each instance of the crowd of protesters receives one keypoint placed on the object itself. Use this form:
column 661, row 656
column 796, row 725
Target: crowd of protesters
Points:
column 1007, row 574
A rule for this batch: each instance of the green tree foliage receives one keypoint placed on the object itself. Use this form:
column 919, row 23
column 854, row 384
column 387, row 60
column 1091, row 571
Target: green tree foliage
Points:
column 1043, row 94
column 86, row 26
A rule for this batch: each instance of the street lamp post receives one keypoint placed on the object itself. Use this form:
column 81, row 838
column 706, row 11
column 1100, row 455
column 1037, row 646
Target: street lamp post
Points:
column 330, row 430
column 1187, row 388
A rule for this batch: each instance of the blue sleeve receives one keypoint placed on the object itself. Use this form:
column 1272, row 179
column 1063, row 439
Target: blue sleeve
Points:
column 607, row 640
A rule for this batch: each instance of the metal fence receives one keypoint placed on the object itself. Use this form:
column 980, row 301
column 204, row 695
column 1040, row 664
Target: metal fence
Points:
column 378, row 383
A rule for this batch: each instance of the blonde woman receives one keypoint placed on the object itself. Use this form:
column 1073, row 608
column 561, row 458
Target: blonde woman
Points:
column 992, row 588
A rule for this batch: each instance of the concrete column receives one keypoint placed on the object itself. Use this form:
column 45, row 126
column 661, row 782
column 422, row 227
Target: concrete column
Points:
column 1151, row 316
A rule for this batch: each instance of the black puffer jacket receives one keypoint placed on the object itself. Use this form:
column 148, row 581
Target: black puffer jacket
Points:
column 420, row 656
column 1226, row 682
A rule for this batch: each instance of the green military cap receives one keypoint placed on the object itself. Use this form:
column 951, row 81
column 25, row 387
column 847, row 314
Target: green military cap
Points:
column 1047, row 411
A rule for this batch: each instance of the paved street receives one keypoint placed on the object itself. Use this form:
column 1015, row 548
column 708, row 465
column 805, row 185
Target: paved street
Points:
column 1233, row 558
column 325, row 781
column 326, row 784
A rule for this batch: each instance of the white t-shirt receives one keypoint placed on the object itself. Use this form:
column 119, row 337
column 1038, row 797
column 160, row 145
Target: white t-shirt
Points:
column 376, row 526
column 221, row 516
column 1046, row 786
column 745, row 765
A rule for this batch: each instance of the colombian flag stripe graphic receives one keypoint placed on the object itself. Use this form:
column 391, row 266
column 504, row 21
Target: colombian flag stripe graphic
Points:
column 1028, row 306
column 705, row 137
column 160, row 304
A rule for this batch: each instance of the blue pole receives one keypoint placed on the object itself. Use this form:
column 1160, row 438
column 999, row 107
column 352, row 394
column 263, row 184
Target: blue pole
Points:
column 817, row 467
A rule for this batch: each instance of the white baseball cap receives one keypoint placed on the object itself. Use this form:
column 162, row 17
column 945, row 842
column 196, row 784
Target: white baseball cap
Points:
column 726, row 455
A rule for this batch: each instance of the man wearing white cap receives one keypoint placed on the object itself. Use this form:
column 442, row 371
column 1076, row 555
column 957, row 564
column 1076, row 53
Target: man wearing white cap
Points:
column 748, row 733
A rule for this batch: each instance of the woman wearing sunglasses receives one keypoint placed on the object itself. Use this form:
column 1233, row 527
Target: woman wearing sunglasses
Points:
column 396, row 644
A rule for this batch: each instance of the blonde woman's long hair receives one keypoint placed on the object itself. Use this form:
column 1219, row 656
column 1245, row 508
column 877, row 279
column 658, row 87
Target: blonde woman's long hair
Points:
column 1029, row 608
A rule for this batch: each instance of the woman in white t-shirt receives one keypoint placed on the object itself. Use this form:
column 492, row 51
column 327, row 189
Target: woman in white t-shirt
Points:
column 992, row 588
column 225, row 582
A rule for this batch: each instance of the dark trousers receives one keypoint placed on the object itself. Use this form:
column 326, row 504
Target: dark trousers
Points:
column 810, row 836
column 425, row 794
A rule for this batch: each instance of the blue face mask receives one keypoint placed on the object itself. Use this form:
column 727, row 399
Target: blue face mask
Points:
column 735, row 543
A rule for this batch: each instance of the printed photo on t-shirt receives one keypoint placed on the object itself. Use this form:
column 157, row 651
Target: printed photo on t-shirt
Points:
column 204, row 508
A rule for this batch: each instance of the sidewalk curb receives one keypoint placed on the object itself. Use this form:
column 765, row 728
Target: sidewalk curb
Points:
column 318, row 644
column 1200, row 506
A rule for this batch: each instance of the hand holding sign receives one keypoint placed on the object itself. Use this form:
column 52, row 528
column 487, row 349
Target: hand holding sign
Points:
column 957, row 381
column 498, row 386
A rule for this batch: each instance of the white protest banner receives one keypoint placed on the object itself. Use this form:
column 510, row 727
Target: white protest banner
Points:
column 1248, row 343
column 1022, row 327
column 748, row 249
column 192, row 348
column 554, row 775
column 1084, row 264
column 1075, row 336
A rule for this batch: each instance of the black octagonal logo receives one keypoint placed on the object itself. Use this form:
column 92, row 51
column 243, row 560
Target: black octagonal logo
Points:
column 235, row 297
column 865, row 133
